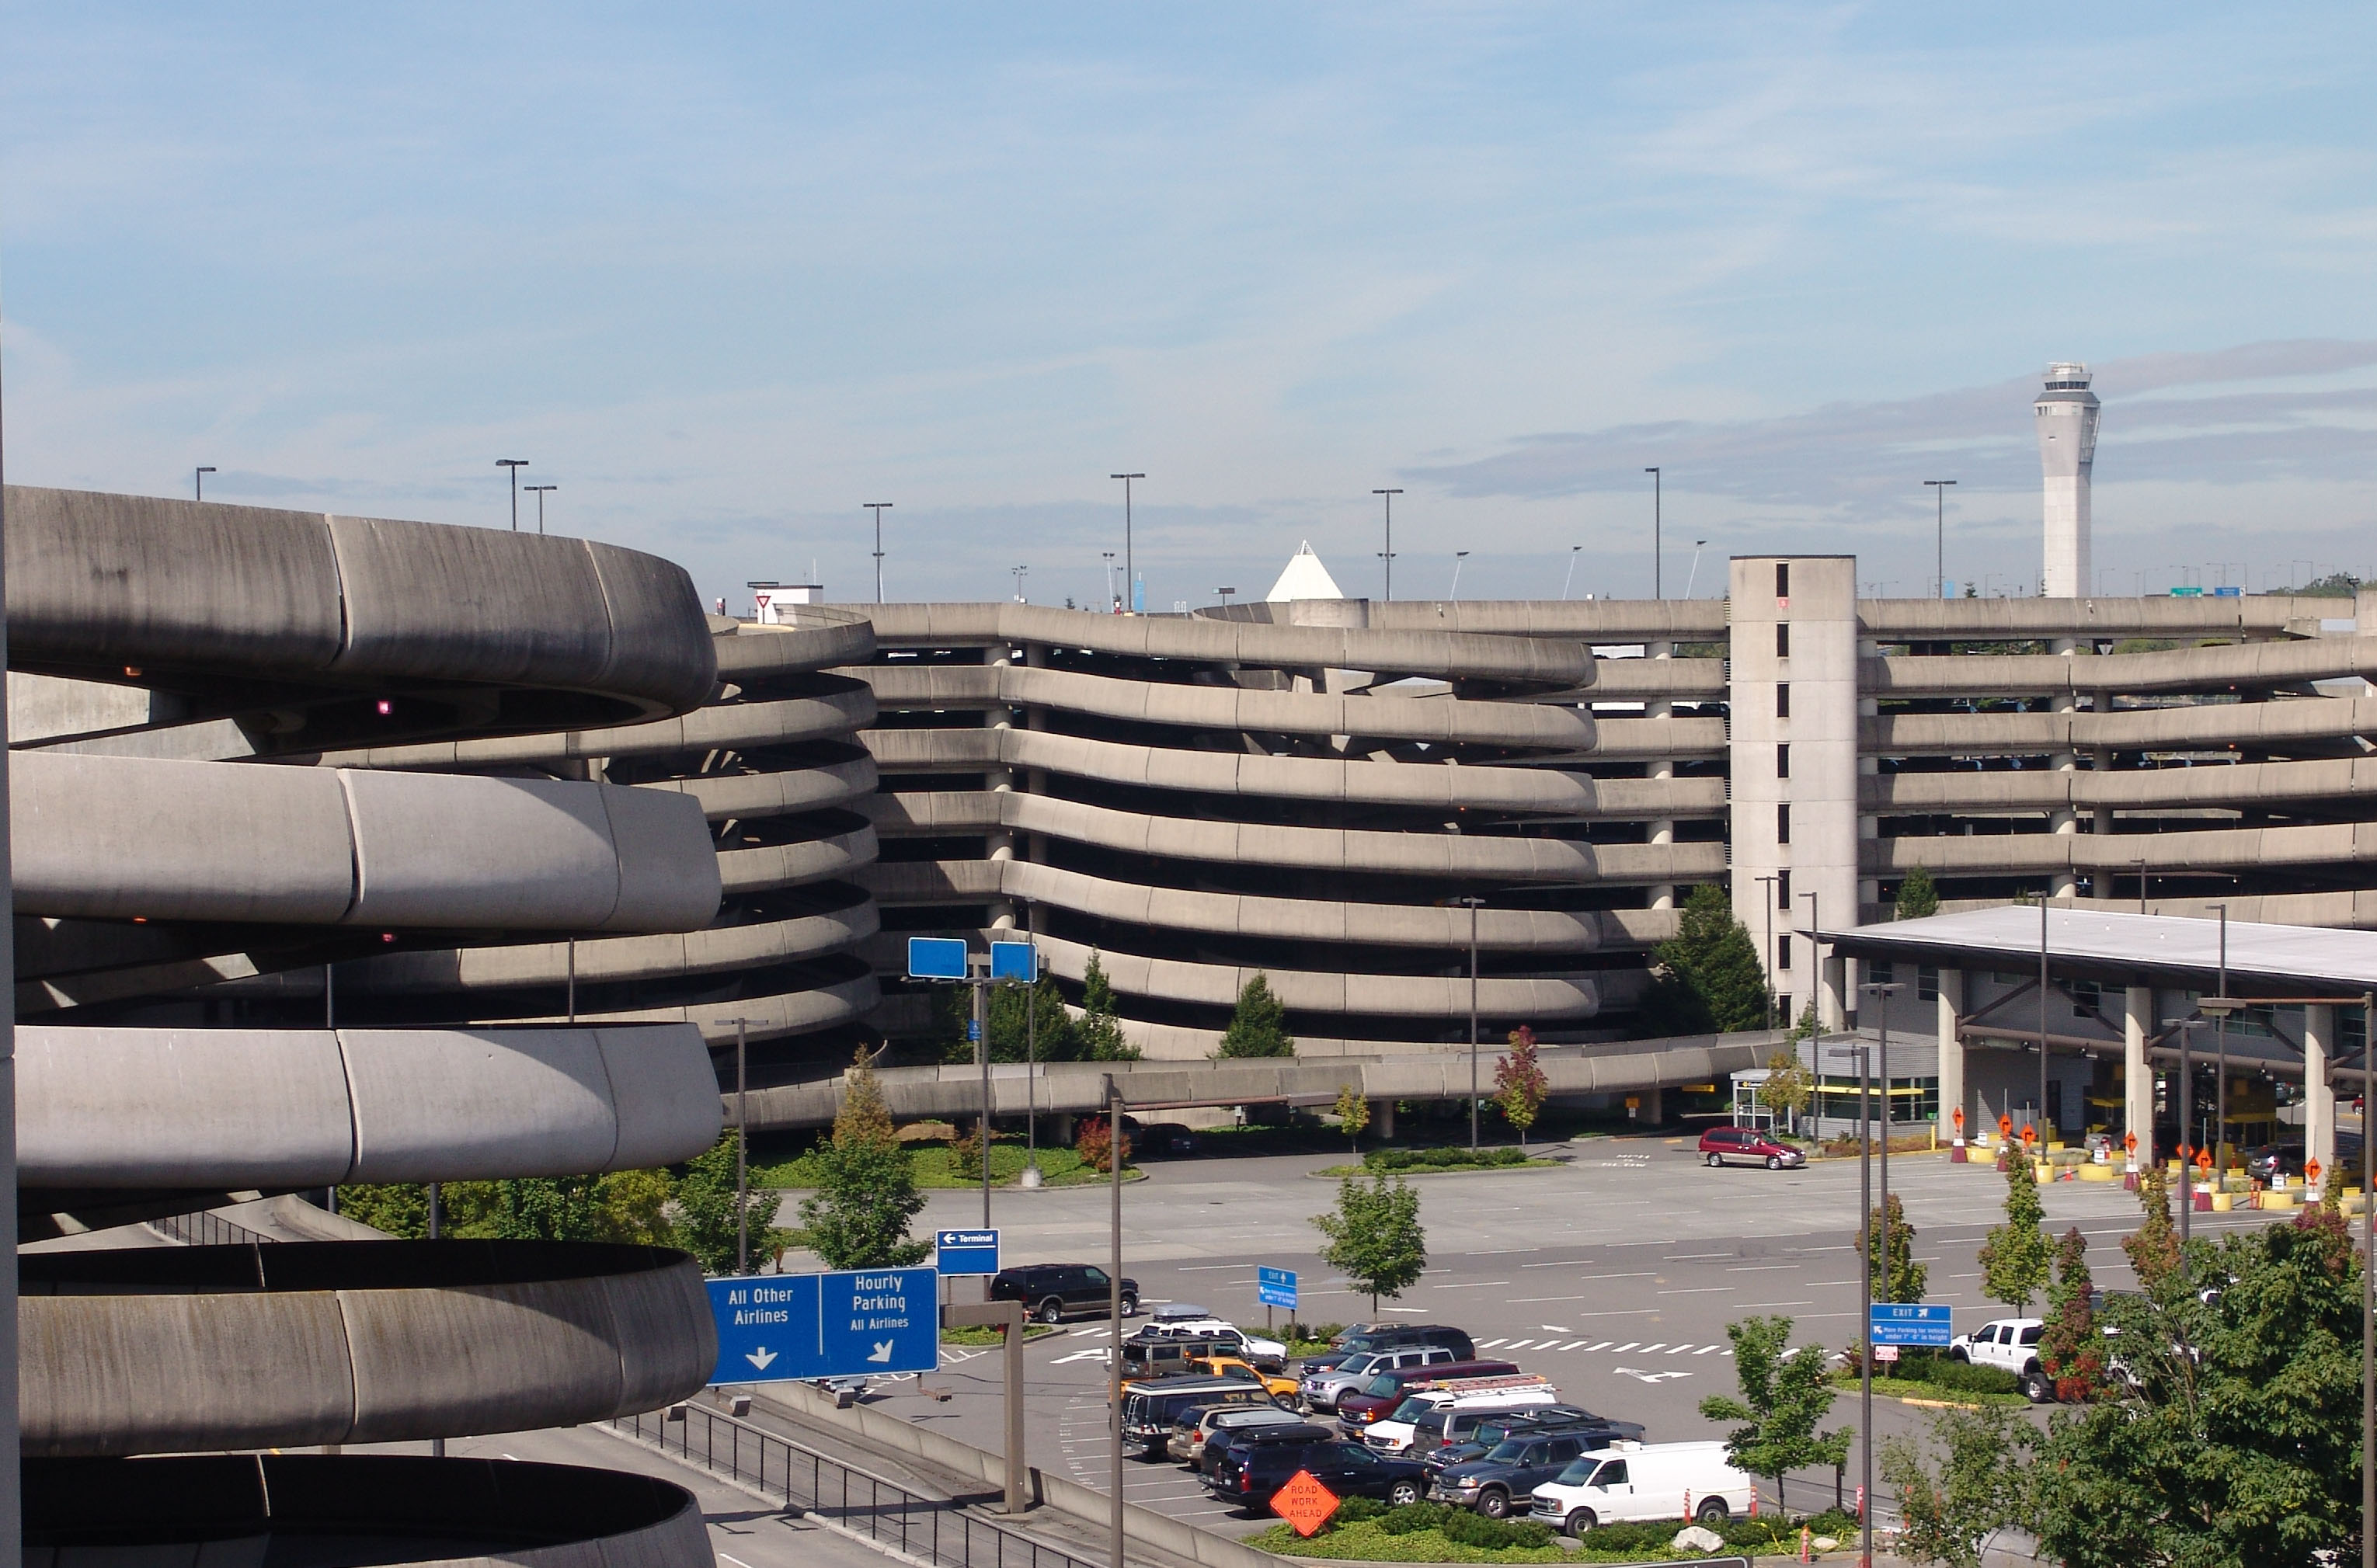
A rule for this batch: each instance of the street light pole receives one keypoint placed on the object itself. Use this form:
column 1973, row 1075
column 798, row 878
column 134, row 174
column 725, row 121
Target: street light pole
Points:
column 1129, row 575
column 2220, row 1055
column 1473, row 903
column 1657, row 590
column 1569, row 581
column 1388, row 554
column 512, row 466
column 540, row 491
column 1019, row 571
column 878, row 508
column 1114, row 1309
column 199, row 478
column 1940, row 533
column 1768, row 882
column 741, row 1147
column 1458, row 557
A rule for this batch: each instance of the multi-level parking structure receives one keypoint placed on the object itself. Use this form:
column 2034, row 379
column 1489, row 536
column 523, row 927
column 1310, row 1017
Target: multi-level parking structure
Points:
column 175, row 669
column 773, row 763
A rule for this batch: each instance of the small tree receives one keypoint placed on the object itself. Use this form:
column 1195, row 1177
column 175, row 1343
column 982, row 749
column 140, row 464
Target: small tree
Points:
column 867, row 1192
column 1947, row 1515
column 1259, row 1025
column 2153, row 1247
column 2015, row 1255
column 1789, row 1087
column 1096, row 1148
column 1099, row 1030
column 1520, row 1086
column 1784, row 1393
column 1353, row 1114
column 1375, row 1237
column 1808, row 1025
column 1918, row 896
column 1896, row 1276
column 549, row 1209
column 2070, row 1349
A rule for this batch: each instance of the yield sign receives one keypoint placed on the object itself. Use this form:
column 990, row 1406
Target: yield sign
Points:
column 1304, row 1502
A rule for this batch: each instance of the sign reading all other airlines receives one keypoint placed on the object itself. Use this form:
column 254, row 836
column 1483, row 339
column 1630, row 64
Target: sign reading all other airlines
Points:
column 782, row 1327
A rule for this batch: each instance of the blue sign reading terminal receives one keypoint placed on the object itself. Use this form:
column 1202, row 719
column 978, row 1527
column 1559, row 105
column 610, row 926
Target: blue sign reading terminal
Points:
column 966, row 1251
column 1916, row 1323
column 782, row 1327
column 937, row 957
column 1275, row 1287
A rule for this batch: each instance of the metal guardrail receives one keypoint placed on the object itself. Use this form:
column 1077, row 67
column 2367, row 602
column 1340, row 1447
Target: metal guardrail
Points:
column 934, row 1529
column 205, row 1229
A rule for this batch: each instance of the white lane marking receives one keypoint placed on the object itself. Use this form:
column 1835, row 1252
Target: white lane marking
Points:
column 1614, row 1312
column 1696, row 1257
column 1640, row 1374
column 1758, row 1267
column 1706, row 1348
column 1555, row 1328
column 1469, row 1284
column 1572, row 1344
column 1761, row 1306
column 1206, row 1267
column 1697, row 1289
column 737, row 1561
column 1679, row 1350
column 1486, row 1344
column 513, row 1457
column 1654, row 1344
column 1628, row 1345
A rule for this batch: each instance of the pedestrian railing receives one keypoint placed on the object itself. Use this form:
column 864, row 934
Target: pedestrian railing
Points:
column 205, row 1229
column 934, row 1529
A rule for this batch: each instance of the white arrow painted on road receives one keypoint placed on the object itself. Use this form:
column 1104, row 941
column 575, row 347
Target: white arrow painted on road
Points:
column 882, row 1351
column 760, row 1357
column 1648, row 1376
column 1096, row 1354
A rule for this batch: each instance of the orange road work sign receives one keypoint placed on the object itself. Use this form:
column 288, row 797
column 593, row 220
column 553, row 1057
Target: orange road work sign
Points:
column 1304, row 1502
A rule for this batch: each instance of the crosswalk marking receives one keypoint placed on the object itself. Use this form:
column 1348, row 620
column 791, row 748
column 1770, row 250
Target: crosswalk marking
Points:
column 1704, row 1350
column 1489, row 1344
column 1572, row 1344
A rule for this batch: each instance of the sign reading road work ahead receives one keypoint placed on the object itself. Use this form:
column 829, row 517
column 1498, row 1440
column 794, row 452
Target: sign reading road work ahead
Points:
column 1275, row 1287
column 965, row 1252
column 1917, row 1322
column 780, row 1327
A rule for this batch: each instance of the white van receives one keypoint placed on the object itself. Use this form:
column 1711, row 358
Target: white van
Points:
column 1483, row 1396
column 1627, row 1481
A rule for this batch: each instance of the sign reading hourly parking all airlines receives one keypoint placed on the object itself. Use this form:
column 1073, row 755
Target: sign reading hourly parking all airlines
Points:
column 783, row 1327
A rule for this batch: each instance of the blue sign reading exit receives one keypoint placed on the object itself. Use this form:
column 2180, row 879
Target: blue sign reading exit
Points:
column 782, row 1327
column 1918, row 1323
column 1275, row 1287
column 966, row 1251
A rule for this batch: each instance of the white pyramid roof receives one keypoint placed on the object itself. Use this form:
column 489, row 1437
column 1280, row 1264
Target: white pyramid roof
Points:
column 1304, row 577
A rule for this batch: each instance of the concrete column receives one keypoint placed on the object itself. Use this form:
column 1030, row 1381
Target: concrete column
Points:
column 1663, row 829
column 1001, row 781
column 1952, row 1053
column 1382, row 1118
column 1651, row 1106
column 2137, row 1074
column 2319, row 1098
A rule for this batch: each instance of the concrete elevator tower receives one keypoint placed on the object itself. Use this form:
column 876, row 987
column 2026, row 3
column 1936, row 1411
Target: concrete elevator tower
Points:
column 2067, row 446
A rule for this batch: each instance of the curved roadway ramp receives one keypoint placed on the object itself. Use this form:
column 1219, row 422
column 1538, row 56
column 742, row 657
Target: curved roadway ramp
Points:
column 177, row 670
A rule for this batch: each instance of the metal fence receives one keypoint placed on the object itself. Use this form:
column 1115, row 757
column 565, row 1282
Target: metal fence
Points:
column 931, row 1528
column 205, row 1229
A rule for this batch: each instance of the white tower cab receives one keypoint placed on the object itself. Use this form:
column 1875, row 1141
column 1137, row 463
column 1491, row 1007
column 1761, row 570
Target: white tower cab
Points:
column 2067, row 446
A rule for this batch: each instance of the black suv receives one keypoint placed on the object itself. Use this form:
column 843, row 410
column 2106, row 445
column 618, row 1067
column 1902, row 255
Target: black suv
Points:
column 1489, row 1431
column 1049, row 1291
column 1260, row 1460
column 1390, row 1336
column 1514, row 1468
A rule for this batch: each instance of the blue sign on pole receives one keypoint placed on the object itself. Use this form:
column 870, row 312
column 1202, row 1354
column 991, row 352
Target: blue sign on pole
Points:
column 966, row 1251
column 1275, row 1287
column 1014, row 961
column 782, row 1327
column 1918, row 1323
column 937, row 957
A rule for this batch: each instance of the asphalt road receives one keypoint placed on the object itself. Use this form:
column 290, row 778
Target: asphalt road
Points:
column 1615, row 1275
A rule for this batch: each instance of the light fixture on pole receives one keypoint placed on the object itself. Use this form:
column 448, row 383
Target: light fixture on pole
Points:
column 1473, row 905
column 1113, row 600
column 1458, row 557
column 1569, row 581
column 1019, row 571
column 1114, row 1308
column 512, row 466
column 1940, row 534
column 878, row 508
column 1388, row 554
column 1129, row 562
column 199, row 478
column 540, row 491
column 1657, row 590
column 1692, row 581
column 742, row 1145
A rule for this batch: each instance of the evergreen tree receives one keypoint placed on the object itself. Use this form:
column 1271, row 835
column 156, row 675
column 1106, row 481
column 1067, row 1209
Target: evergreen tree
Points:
column 1375, row 1237
column 2070, row 1349
column 1259, row 1025
column 867, row 1195
column 2153, row 1247
column 1918, row 896
column 1896, row 1276
column 1520, row 1086
column 1708, row 980
column 1099, row 1030
column 1784, row 1393
column 2015, row 1256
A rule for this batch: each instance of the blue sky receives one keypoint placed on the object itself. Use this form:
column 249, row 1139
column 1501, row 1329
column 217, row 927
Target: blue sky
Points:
column 725, row 273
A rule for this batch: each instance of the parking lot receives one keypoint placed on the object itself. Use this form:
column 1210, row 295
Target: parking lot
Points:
column 1615, row 1275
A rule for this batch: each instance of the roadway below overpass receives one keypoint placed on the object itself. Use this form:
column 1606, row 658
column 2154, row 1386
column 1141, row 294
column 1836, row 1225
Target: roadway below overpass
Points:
column 1075, row 1088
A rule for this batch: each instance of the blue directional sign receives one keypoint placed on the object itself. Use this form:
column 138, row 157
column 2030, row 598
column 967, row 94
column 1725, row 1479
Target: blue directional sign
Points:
column 1275, row 1287
column 966, row 1251
column 1918, row 1323
column 780, row 1327
column 937, row 957
column 1014, row 961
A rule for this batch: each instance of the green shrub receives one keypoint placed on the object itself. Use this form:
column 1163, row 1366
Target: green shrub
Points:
column 1354, row 1510
column 1958, row 1377
column 1463, row 1528
column 1446, row 1158
column 1406, row 1518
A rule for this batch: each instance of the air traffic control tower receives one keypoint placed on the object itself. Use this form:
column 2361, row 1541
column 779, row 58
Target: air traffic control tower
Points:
column 2067, row 448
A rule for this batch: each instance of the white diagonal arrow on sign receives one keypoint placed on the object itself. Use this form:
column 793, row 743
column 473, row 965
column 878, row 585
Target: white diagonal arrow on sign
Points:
column 882, row 1351
column 760, row 1357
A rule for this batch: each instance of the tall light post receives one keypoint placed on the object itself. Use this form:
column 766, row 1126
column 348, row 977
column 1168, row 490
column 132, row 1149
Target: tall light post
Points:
column 1692, row 581
column 2220, row 1055
column 1768, row 882
column 1473, row 904
column 1816, row 956
column 198, row 476
column 512, row 466
column 1940, row 534
column 1657, row 590
column 540, row 491
column 1129, row 573
column 1458, row 557
column 1569, row 581
column 878, row 508
column 1388, row 554
column 1111, row 600
column 1019, row 571
column 741, row 1147
column 1114, row 1309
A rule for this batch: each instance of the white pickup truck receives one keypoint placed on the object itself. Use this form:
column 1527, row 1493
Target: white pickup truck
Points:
column 2011, row 1344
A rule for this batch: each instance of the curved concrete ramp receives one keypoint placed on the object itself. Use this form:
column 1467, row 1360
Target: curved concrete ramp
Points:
column 173, row 1349
column 378, row 1510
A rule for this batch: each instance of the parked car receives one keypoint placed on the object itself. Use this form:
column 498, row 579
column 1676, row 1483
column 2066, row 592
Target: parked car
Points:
column 1259, row 1461
column 1398, row 1429
column 1321, row 1388
column 1280, row 1384
column 1163, row 1137
column 1365, row 1336
column 1514, row 1468
column 1630, row 1482
column 1379, row 1397
column 1196, row 1430
column 1051, row 1291
column 1168, row 1346
column 2286, row 1158
column 1475, row 1437
column 1150, row 1407
column 2010, row 1344
column 1749, row 1146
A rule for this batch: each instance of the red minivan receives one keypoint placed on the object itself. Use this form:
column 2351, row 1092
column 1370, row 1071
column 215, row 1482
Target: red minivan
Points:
column 1747, row 1145
column 1376, row 1397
